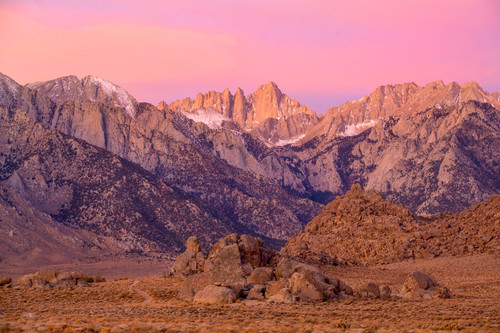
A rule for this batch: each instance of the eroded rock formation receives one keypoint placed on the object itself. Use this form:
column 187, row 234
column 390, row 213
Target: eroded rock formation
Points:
column 242, row 266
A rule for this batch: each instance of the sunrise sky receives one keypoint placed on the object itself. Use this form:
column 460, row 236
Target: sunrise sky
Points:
column 321, row 52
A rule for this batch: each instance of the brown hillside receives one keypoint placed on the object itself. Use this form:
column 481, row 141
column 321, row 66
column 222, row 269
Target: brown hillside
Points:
column 361, row 227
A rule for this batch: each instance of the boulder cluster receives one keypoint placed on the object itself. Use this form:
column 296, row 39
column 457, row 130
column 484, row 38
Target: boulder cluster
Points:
column 45, row 279
column 242, row 267
column 418, row 285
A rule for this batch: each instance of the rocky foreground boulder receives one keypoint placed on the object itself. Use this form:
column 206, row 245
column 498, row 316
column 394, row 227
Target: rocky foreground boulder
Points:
column 241, row 266
column 417, row 285
column 45, row 279
column 420, row 285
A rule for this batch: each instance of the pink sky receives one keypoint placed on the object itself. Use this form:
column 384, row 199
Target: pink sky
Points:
column 321, row 52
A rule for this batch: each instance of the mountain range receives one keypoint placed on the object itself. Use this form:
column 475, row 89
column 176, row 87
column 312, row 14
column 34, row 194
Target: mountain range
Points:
column 95, row 168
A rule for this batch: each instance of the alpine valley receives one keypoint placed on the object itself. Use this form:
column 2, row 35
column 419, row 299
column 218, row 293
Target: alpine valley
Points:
column 87, row 171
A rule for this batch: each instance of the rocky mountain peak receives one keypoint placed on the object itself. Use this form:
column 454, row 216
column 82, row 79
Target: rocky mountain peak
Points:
column 473, row 91
column 97, row 89
column 60, row 90
column 90, row 88
column 436, row 85
column 473, row 85
column 270, row 90
column 162, row 106
column 267, row 113
column 397, row 100
column 266, row 101
column 9, row 91
column 271, row 85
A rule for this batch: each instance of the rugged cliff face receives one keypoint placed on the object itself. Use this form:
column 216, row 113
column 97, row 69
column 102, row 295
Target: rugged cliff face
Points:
column 9, row 91
column 90, row 88
column 267, row 113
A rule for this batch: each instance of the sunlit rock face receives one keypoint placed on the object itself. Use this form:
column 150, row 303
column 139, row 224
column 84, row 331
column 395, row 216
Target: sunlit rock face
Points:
column 267, row 113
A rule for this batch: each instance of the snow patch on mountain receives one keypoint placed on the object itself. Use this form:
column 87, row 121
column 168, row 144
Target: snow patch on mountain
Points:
column 355, row 129
column 290, row 141
column 119, row 97
column 211, row 118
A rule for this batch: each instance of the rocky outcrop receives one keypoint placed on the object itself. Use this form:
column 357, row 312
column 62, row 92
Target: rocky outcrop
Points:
column 46, row 279
column 5, row 281
column 417, row 286
column 420, row 285
column 242, row 266
column 191, row 261
column 370, row 290
column 230, row 261
column 361, row 227
column 472, row 231
column 213, row 294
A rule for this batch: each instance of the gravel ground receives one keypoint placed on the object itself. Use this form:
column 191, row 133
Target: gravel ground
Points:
column 117, row 306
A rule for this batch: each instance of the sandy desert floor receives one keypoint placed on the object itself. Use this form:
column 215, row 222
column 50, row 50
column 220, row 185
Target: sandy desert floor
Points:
column 149, row 305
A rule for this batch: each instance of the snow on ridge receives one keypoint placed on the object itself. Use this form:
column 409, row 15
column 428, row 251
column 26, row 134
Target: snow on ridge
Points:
column 119, row 96
column 281, row 142
column 70, row 87
column 211, row 118
column 355, row 129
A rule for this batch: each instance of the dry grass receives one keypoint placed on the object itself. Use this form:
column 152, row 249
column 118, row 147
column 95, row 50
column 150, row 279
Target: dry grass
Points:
column 114, row 307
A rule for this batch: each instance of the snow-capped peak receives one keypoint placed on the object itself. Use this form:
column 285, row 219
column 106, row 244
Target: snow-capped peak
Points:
column 118, row 96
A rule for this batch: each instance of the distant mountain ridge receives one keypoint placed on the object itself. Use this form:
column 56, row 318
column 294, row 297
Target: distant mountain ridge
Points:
column 397, row 100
